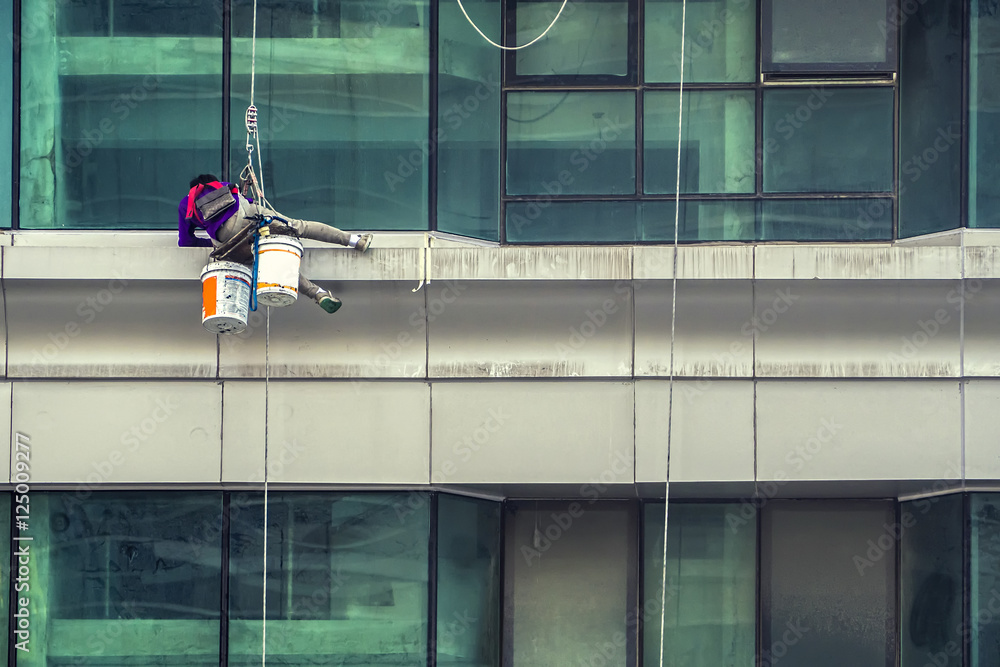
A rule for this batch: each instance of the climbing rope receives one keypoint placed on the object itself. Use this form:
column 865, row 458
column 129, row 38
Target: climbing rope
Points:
column 673, row 330
column 511, row 48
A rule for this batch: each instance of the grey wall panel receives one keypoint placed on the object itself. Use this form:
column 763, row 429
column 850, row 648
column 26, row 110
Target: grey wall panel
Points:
column 107, row 328
column 867, row 261
column 349, row 432
column 858, row 430
column 712, row 437
column 533, row 432
column 982, row 324
column 530, row 329
column 713, row 328
column 857, row 329
column 92, row 433
column 982, row 429
column 378, row 332
column 243, row 403
column 7, row 425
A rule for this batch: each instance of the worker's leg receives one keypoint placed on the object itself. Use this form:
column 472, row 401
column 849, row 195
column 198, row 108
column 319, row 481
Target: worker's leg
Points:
column 318, row 231
column 326, row 301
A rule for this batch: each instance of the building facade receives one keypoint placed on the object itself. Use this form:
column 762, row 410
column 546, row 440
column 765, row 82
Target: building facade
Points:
column 467, row 465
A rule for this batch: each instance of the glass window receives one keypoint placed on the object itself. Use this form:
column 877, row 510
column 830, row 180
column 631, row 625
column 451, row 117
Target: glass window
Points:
column 546, row 221
column 125, row 578
column 931, row 581
column 828, row 139
column 568, row 583
column 710, row 590
column 826, row 219
column 720, row 44
column 699, row 221
column 468, row 137
column 6, row 131
column 118, row 110
column 468, row 582
column 571, row 143
column 810, row 35
column 984, row 587
column 716, row 141
column 984, row 115
column 930, row 122
column 827, row 594
column 342, row 93
column 590, row 37
column 346, row 578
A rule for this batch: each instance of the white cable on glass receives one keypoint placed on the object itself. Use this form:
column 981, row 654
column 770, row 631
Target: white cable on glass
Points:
column 673, row 329
column 511, row 48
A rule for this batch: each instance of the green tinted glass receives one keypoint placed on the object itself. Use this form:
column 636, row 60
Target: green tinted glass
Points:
column 342, row 93
column 124, row 578
column 717, row 142
column 828, row 139
column 571, row 143
column 710, row 585
column 984, row 115
column 984, row 585
column 719, row 44
column 547, row 221
column 120, row 107
column 590, row 37
column 826, row 220
column 698, row 221
column 346, row 579
column 468, row 138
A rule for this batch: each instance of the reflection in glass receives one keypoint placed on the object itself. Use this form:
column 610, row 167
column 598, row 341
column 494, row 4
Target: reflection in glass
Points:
column 828, row 596
column 546, row 221
column 826, row 219
column 711, row 586
column 984, row 587
column 125, row 578
column 468, row 141
column 468, row 595
column 827, row 139
column 984, row 115
column 590, row 37
column 346, row 579
column 571, row 143
column 118, row 110
column 717, row 142
column 816, row 34
column 719, row 47
column 931, row 581
column 567, row 598
column 342, row 93
column 699, row 221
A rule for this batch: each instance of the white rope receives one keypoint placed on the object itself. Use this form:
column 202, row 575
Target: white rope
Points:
column 673, row 330
column 511, row 48
column 267, row 374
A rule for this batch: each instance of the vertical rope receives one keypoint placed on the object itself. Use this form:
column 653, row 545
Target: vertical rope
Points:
column 673, row 329
column 267, row 374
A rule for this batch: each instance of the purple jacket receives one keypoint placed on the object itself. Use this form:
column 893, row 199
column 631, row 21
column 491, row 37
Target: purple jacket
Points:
column 186, row 225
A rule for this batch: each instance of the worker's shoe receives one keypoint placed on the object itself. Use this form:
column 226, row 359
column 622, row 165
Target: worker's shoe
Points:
column 328, row 302
column 363, row 242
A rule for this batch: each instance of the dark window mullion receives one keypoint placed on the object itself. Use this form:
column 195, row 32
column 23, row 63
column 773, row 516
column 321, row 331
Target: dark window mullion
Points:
column 227, row 73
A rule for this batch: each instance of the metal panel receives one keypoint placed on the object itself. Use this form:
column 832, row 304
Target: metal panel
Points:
column 982, row 429
column 858, row 430
column 712, row 437
column 379, row 332
column 107, row 328
column 533, row 432
column 982, row 327
column 714, row 336
column 349, row 432
column 243, row 431
column 856, row 262
column 857, row 329
column 530, row 329
column 92, row 433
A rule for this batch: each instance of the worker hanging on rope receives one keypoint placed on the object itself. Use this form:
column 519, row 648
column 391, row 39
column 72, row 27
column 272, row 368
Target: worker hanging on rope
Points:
column 230, row 216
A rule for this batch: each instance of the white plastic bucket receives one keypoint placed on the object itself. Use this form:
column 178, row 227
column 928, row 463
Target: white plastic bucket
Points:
column 225, row 297
column 278, row 260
